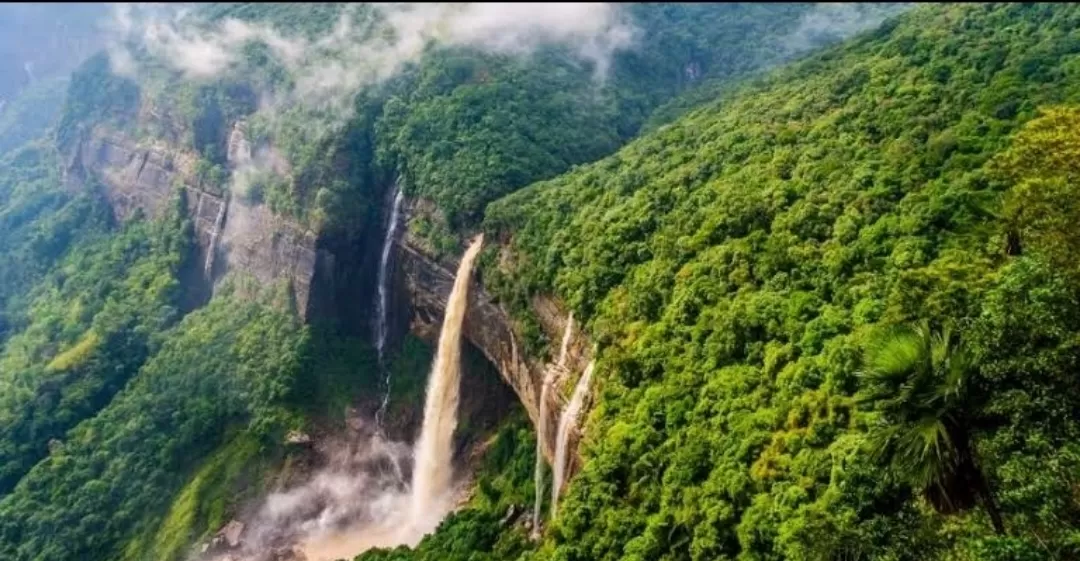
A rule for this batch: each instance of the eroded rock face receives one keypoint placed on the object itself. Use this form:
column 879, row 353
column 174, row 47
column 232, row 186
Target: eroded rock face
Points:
column 489, row 327
column 251, row 239
column 243, row 237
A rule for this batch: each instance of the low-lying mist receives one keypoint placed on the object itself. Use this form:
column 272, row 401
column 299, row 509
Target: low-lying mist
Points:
column 358, row 499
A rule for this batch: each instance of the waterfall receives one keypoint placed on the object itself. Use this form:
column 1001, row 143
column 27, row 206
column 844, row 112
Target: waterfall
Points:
column 434, row 449
column 566, row 423
column 383, row 303
column 566, row 340
column 210, row 249
column 542, row 422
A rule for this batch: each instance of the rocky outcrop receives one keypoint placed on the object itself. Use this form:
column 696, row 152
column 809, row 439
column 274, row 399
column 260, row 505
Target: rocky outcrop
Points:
column 235, row 235
column 231, row 234
column 491, row 329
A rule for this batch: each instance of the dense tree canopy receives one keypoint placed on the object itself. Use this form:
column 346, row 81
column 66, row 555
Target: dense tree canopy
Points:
column 732, row 265
column 835, row 304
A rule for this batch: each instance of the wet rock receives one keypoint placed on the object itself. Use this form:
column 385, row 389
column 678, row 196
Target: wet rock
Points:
column 297, row 437
column 229, row 536
column 512, row 514
column 491, row 329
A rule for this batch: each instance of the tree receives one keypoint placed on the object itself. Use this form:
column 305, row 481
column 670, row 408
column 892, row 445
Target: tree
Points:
column 920, row 382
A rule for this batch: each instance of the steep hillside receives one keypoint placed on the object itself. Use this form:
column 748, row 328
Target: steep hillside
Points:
column 829, row 309
column 189, row 258
column 740, row 268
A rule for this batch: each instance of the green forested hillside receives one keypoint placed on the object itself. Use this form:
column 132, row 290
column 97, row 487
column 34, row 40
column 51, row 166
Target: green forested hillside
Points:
column 460, row 126
column 739, row 267
column 834, row 304
column 226, row 365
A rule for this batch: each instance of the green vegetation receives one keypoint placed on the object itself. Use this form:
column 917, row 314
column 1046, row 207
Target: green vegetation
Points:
column 96, row 95
column 920, row 383
column 39, row 222
column 466, row 128
column 734, row 265
column 461, row 127
column 836, row 305
column 92, row 322
column 232, row 474
column 230, row 364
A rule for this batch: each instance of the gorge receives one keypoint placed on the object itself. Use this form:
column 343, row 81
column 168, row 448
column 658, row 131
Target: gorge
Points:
column 571, row 282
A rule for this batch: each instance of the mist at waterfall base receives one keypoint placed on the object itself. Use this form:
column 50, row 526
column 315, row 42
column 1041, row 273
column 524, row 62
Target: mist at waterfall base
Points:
column 363, row 497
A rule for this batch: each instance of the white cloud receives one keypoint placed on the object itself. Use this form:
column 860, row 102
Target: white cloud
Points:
column 351, row 55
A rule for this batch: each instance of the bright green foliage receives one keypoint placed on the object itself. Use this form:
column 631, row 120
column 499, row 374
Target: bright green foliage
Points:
column 230, row 364
column 232, row 474
column 731, row 264
column 39, row 221
column 91, row 324
column 470, row 128
column 920, row 382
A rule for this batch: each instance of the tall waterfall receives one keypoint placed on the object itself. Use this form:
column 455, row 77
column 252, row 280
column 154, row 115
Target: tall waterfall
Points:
column 542, row 422
column 383, row 303
column 566, row 423
column 434, row 449
column 211, row 250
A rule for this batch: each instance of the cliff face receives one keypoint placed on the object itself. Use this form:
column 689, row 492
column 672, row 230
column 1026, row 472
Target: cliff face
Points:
column 143, row 176
column 491, row 330
column 251, row 239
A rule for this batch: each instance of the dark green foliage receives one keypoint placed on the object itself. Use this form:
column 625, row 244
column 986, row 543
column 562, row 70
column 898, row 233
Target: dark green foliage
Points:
column 920, row 381
column 96, row 95
column 228, row 364
column 92, row 323
column 732, row 264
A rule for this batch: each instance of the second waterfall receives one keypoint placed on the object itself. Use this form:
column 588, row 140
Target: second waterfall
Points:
column 432, row 474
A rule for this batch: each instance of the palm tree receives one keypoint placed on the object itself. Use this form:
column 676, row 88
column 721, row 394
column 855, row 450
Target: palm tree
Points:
column 919, row 381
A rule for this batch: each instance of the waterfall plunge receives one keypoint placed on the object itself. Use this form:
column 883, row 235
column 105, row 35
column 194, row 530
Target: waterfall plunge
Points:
column 542, row 423
column 359, row 500
column 383, row 303
column 567, row 422
column 434, row 449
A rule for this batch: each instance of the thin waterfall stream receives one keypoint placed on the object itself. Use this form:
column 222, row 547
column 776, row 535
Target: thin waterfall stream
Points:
column 383, row 302
column 358, row 500
column 541, row 429
column 567, row 422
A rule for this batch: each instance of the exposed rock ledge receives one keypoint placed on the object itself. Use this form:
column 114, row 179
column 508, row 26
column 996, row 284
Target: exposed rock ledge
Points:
column 489, row 327
column 142, row 176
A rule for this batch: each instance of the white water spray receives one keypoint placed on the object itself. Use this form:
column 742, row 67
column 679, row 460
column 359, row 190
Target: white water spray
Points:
column 383, row 303
column 360, row 499
column 541, row 428
column 431, row 482
column 567, row 422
